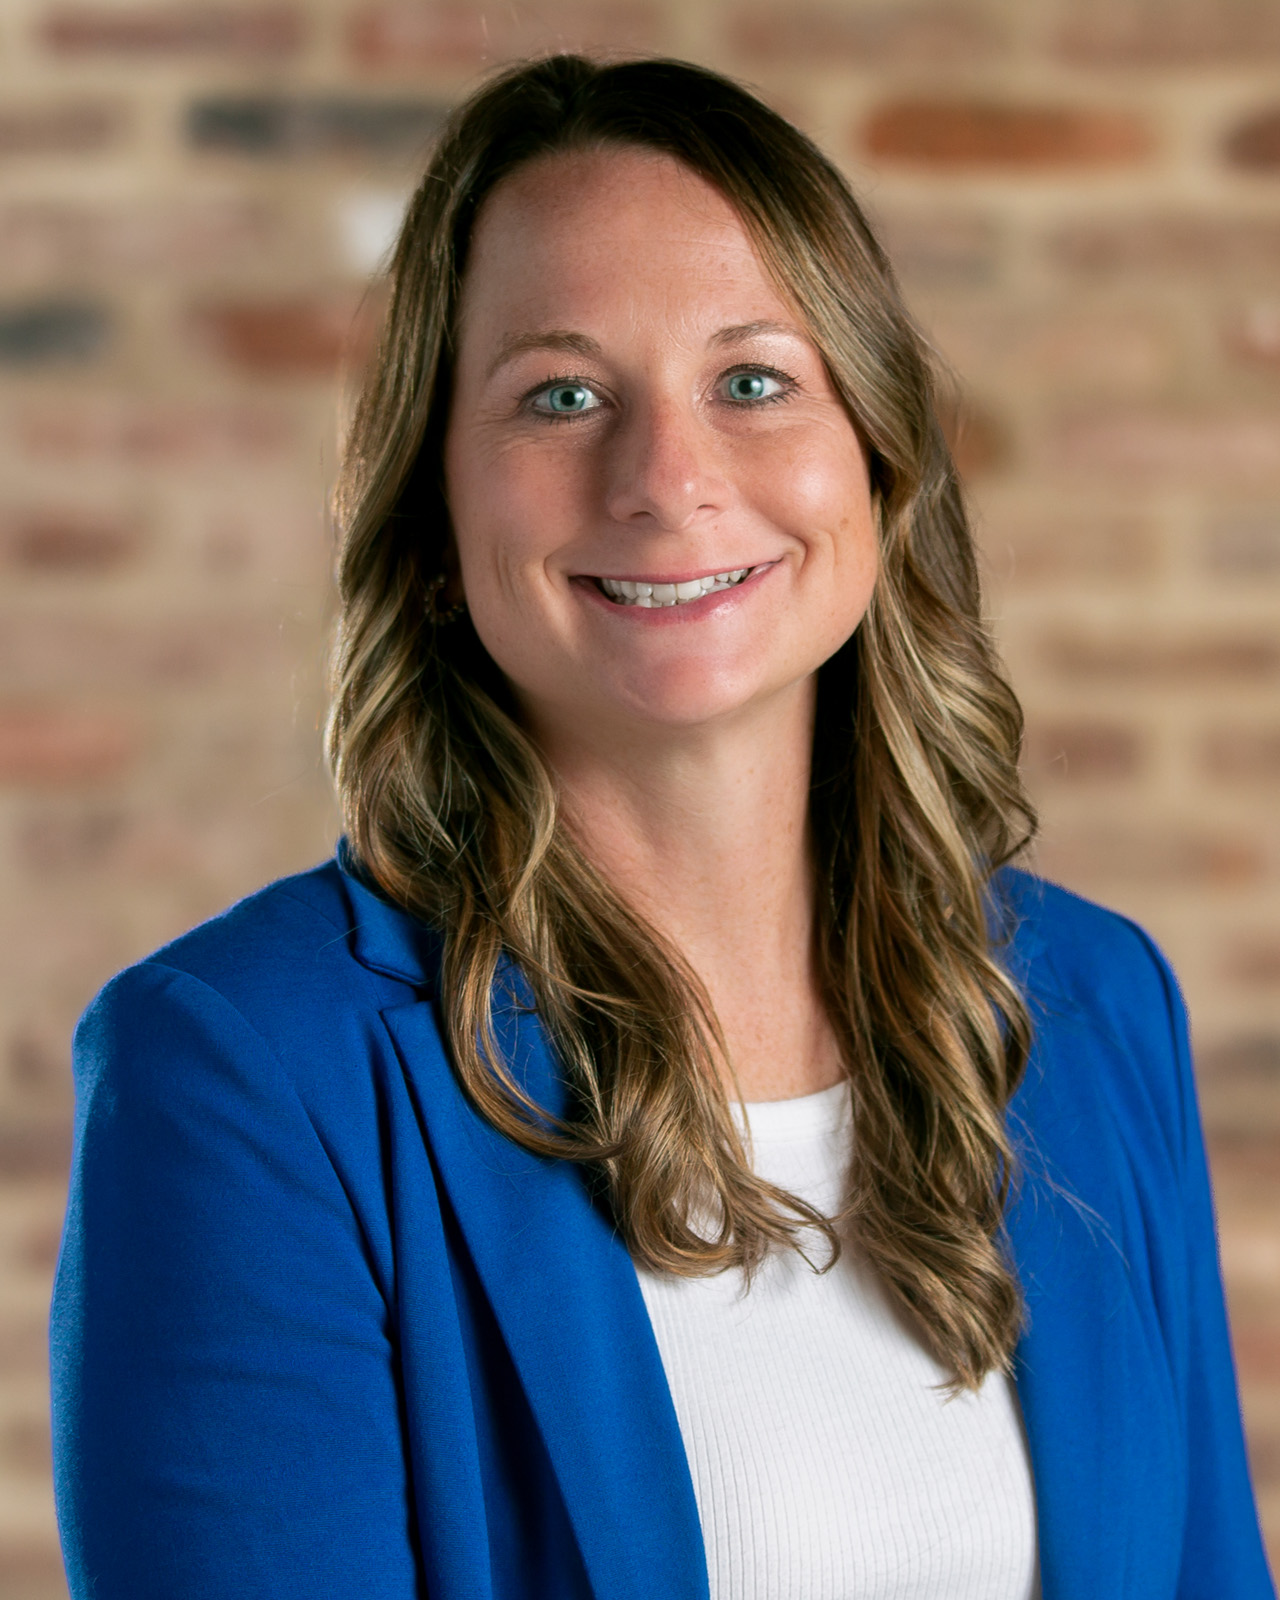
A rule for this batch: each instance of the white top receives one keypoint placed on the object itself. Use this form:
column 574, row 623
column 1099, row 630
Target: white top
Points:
column 826, row 1463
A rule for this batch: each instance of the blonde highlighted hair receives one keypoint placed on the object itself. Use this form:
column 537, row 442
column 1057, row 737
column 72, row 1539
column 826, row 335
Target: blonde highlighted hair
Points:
column 916, row 799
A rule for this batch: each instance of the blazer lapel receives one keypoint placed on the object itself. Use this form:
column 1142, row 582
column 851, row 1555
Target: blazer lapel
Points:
column 566, row 1297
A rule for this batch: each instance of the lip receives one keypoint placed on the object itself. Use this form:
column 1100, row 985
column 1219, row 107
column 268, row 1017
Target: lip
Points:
column 665, row 616
column 675, row 577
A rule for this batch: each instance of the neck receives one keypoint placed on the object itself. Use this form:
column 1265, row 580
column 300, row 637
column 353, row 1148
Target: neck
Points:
column 706, row 835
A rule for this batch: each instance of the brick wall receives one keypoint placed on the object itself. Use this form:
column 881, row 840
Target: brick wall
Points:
column 1084, row 200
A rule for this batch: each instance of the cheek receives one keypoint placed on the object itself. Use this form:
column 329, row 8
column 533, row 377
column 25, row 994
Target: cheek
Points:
column 823, row 494
column 857, row 537
column 833, row 512
column 819, row 465
column 510, row 508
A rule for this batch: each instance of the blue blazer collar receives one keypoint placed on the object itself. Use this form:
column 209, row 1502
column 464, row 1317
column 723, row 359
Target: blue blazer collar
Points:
column 384, row 938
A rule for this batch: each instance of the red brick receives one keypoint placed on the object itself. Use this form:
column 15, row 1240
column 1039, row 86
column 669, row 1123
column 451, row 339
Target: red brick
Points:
column 821, row 36
column 342, row 125
column 37, row 1247
column 66, row 540
column 1239, row 1086
column 1248, row 1164
column 39, row 1064
column 38, row 654
column 1248, row 753
column 978, row 440
column 1251, row 1057
column 123, row 429
column 1244, row 544
column 1257, row 1352
column 1170, row 245
column 60, row 127
column 1002, row 136
column 276, row 539
column 1165, row 660
column 1255, row 143
column 267, row 32
column 1253, row 334
column 1165, row 446
column 1055, row 349
column 1193, row 33
column 64, row 744
column 24, row 1446
column 24, row 1348
column 63, row 948
column 34, row 1149
column 1264, row 1448
column 300, row 337
column 1082, row 751
column 406, row 36
column 65, row 841
column 1087, row 546
column 1254, row 962
column 31, row 1571
column 940, row 248
column 1102, row 857
column 193, row 839
column 43, row 239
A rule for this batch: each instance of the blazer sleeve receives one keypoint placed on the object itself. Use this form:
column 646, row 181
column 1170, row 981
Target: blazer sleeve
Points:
column 1222, row 1549
column 226, row 1416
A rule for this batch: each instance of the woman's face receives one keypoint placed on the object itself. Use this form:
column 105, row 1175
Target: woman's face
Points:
column 661, row 508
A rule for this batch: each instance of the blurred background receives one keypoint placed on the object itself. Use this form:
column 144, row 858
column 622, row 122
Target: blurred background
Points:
column 1083, row 200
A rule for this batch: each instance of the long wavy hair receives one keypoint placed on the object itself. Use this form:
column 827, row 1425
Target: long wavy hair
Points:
column 453, row 813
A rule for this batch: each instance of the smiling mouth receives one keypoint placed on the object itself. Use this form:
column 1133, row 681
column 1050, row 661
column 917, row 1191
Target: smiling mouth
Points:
column 650, row 596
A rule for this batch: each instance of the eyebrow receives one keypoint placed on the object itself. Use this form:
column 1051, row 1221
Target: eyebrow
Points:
column 581, row 344
column 749, row 330
column 515, row 344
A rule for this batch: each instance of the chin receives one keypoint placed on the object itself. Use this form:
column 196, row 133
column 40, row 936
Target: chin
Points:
column 686, row 698
column 688, row 714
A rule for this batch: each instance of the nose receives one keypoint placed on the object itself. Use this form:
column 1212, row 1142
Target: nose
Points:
column 663, row 469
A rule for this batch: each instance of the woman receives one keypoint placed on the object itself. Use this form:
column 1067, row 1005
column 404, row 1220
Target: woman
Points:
column 447, row 1221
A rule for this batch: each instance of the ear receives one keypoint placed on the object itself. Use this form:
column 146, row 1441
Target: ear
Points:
column 446, row 601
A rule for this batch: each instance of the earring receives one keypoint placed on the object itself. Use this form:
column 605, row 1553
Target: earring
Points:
column 438, row 615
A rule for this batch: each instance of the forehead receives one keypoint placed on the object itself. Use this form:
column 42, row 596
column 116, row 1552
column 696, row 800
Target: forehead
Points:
column 585, row 231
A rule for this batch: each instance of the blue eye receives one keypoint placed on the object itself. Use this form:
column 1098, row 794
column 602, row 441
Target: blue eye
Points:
column 566, row 399
column 749, row 386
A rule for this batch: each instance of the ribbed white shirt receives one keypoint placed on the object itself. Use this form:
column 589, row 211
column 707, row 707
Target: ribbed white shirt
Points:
column 825, row 1461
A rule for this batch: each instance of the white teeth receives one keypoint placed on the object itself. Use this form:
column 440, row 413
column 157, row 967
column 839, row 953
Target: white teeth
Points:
column 648, row 595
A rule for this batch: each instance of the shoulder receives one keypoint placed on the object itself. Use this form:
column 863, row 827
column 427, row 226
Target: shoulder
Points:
column 275, row 975
column 1110, row 1025
column 294, row 931
column 1070, row 952
column 235, row 1096
column 285, row 945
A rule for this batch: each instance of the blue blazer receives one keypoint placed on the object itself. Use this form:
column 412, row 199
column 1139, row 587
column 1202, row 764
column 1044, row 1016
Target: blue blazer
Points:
column 320, row 1333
